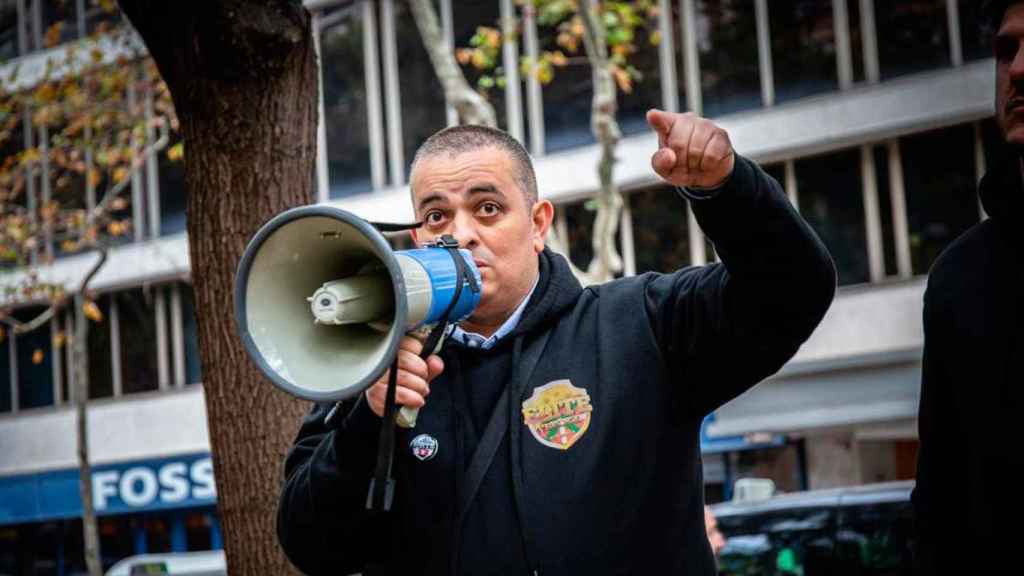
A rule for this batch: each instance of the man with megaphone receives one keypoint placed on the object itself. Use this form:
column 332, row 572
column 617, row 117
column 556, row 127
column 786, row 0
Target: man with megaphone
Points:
column 558, row 430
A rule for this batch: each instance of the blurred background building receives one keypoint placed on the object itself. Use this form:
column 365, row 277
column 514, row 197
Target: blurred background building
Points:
column 875, row 116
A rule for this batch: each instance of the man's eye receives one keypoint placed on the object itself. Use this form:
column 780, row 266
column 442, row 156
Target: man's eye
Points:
column 1005, row 49
column 489, row 209
column 434, row 217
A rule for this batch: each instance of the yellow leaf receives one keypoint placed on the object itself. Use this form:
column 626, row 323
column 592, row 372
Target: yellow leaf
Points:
column 463, row 55
column 53, row 34
column 116, row 228
column 68, row 246
column 92, row 311
column 94, row 177
column 59, row 339
column 176, row 152
column 623, row 80
column 120, row 174
column 558, row 59
column 37, row 356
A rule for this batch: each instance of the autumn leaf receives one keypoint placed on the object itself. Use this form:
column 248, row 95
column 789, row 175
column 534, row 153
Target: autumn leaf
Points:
column 59, row 339
column 92, row 311
column 176, row 152
column 120, row 173
column 37, row 356
column 52, row 37
column 116, row 228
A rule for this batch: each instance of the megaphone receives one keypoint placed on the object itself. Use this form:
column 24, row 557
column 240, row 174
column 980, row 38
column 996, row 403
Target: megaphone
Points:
column 322, row 301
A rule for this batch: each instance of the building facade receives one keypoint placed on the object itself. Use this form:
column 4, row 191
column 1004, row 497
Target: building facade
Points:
column 875, row 116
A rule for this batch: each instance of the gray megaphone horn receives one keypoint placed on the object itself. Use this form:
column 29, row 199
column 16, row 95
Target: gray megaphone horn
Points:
column 322, row 301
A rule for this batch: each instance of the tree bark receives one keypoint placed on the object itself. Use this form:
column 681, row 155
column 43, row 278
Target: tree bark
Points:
column 80, row 394
column 470, row 105
column 243, row 77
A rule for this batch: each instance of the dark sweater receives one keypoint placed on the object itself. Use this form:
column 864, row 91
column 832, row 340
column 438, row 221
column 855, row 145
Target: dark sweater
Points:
column 966, row 499
column 614, row 486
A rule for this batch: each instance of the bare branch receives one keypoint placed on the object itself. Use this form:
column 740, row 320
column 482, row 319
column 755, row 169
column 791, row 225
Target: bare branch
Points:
column 136, row 165
column 470, row 105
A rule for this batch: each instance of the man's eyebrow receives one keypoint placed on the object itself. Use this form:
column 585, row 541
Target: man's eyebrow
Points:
column 485, row 189
column 430, row 198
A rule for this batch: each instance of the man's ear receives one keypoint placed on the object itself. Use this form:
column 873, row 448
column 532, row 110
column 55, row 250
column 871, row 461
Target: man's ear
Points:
column 415, row 237
column 543, row 214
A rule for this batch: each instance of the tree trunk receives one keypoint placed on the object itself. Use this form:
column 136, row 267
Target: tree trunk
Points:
column 80, row 395
column 243, row 77
column 606, row 261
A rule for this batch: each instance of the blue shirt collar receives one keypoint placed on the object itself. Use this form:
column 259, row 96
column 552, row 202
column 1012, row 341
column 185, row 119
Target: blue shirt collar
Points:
column 474, row 340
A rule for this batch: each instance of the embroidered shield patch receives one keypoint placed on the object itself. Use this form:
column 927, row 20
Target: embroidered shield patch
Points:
column 558, row 414
column 423, row 447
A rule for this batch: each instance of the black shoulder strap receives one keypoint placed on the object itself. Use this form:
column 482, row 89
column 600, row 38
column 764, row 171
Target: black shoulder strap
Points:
column 497, row 427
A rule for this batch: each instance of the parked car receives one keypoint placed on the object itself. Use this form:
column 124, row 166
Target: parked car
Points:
column 863, row 531
column 207, row 563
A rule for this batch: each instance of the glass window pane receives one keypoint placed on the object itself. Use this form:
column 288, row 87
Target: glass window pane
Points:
column 467, row 18
column 856, row 39
column 35, row 362
column 912, row 36
column 59, row 21
column 875, row 539
column 645, row 91
column 727, row 42
column 661, row 234
column 101, row 372
column 803, row 48
column 939, row 179
column 344, row 85
column 567, row 104
column 137, row 315
column 423, row 107
column 99, row 19
column 831, row 200
column 973, row 41
column 881, row 155
column 580, row 224
column 8, row 30
column 5, row 370
column 173, row 193
column 188, row 322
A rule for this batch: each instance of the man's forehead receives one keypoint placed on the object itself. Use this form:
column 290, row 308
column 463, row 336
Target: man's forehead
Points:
column 1013, row 21
column 446, row 172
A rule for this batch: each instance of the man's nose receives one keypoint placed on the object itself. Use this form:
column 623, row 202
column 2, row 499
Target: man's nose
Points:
column 1017, row 66
column 464, row 230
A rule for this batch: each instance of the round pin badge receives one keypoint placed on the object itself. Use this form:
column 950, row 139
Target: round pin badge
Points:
column 424, row 447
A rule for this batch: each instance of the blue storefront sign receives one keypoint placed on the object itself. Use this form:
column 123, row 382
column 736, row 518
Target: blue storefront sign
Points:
column 130, row 487
column 718, row 444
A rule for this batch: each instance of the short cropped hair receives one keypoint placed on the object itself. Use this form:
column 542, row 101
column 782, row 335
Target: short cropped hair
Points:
column 456, row 140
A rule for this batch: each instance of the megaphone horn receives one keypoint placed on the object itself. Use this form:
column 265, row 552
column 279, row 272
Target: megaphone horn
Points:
column 322, row 301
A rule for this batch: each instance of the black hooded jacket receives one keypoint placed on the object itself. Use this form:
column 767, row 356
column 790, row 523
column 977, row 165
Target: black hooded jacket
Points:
column 967, row 505
column 625, row 371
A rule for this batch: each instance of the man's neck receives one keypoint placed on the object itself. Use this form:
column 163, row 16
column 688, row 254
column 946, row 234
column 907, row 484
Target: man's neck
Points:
column 487, row 327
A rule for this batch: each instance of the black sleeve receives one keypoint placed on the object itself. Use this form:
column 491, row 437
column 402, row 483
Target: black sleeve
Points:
column 321, row 517
column 941, row 465
column 723, row 328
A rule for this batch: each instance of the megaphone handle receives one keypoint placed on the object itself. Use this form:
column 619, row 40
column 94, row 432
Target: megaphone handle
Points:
column 407, row 416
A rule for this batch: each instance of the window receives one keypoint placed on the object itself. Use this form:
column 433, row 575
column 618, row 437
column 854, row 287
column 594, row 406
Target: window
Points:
column 423, row 106
column 567, row 105
column 58, row 21
column 912, row 36
column 856, row 39
column 466, row 18
column 188, row 321
column 6, row 348
column 101, row 369
column 173, row 193
column 661, row 236
column 35, row 362
column 939, row 178
column 345, row 108
column 8, row 30
column 875, row 539
column 789, row 541
column 803, row 48
column 646, row 89
column 727, row 43
column 831, row 200
column 974, row 42
column 137, row 327
column 881, row 157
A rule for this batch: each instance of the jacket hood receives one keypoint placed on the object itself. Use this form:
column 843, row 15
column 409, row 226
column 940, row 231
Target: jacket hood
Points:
column 557, row 291
column 1001, row 190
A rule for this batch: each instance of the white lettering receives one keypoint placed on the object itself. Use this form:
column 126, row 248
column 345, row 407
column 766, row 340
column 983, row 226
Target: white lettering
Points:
column 103, row 484
column 174, row 481
column 203, row 487
column 131, row 480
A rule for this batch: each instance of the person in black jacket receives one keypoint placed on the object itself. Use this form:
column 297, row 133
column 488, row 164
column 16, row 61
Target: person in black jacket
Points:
column 559, row 427
column 966, row 504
